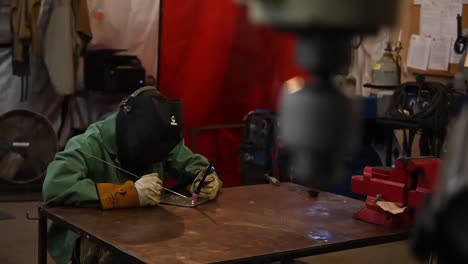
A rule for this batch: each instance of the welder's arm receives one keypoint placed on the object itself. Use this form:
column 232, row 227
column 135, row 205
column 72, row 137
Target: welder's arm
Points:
column 66, row 183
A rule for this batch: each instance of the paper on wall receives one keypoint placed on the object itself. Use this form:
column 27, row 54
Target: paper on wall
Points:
column 448, row 20
column 419, row 51
column 439, row 57
column 426, row 2
column 421, row 2
column 430, row 20
column 457, row 2
column 439, row 18
column 440, row 3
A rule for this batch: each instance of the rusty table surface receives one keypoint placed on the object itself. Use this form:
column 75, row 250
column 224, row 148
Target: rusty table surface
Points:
column 248, row 223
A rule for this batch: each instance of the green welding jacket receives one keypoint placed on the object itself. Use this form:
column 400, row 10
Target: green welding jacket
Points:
column 72, row 177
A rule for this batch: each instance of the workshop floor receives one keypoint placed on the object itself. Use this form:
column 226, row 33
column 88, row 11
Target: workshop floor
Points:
column 19, row 243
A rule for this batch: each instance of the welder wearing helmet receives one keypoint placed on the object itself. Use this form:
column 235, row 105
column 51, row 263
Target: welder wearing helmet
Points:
column 144, row 138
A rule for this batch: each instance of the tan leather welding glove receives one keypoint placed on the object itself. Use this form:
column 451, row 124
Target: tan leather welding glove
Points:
column 210, row 187
column 144, row 192
column 149, row 189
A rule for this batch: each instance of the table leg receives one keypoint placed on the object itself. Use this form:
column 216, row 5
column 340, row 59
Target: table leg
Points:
column 42, row 238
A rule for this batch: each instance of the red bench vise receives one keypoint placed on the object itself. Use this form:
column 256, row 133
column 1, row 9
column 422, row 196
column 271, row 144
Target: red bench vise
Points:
column 406, row 185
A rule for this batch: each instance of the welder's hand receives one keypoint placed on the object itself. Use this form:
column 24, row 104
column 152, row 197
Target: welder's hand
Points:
column 210, row 187
column 149, row 188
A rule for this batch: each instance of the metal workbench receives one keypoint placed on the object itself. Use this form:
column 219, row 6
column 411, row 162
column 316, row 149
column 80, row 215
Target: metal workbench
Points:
column 245, row 224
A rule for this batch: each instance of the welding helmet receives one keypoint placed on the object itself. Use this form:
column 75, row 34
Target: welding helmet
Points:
column 147, row 130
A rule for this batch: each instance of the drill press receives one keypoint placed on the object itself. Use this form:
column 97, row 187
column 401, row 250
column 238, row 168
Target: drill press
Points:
column 319, row 124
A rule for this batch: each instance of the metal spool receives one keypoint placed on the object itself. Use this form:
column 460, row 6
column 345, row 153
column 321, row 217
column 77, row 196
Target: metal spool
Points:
column 28, row 144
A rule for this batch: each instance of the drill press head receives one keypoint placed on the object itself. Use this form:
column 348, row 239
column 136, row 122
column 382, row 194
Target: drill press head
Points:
column 319, row 124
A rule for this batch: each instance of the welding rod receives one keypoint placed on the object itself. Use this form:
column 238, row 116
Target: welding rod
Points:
column 132, row 174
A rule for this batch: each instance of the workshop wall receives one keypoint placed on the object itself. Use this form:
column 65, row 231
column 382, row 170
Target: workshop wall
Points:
column 115, row 24
column 222, row 67
column 374, row 48
column 404, row 23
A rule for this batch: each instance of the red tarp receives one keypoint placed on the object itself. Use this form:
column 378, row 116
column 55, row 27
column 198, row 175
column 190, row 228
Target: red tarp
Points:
column 222, row 67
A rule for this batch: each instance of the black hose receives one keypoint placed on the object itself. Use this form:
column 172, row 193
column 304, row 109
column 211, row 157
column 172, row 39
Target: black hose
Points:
column 435, row 102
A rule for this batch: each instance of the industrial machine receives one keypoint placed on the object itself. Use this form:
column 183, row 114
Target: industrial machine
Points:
column 107, row 71
column 257, row 147
column 319, row 123
column 405, row 187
